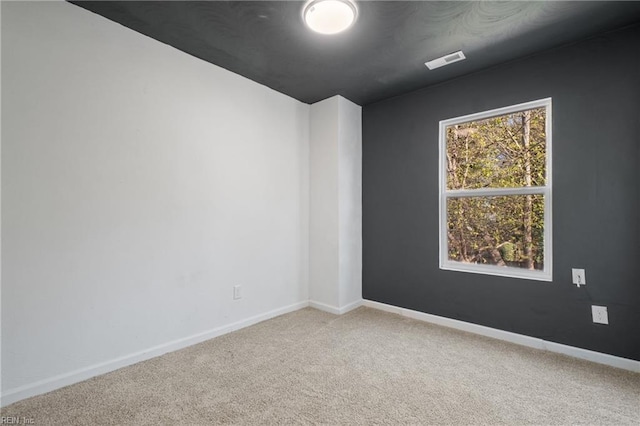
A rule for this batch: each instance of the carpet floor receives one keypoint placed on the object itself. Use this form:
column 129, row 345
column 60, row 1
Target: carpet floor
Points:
column 364, row 367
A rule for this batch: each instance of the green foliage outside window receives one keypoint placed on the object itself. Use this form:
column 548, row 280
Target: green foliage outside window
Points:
column 507, row 151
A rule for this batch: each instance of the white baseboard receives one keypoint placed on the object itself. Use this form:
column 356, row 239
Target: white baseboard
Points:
column 350, row 306
column 82, row 374
column 334, row 309
column 48, row 385
column 324, row 307
column 532, row 342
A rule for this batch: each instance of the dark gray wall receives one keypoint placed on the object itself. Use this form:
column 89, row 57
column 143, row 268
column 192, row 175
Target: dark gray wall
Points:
column 595, row 86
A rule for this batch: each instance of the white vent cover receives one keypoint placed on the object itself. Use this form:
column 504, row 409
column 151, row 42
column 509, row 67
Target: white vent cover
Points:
column 445, row 60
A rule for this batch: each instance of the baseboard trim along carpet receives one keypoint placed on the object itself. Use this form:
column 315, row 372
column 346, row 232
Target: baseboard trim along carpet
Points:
column 56, row 382
column 333, row 309
column 532, row 342
column 48, row 385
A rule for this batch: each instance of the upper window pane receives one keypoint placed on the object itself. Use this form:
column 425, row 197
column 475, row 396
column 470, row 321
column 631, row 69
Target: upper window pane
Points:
column 506, row 151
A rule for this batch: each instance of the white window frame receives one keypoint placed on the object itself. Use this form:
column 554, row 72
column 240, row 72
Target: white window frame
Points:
column 545, row 274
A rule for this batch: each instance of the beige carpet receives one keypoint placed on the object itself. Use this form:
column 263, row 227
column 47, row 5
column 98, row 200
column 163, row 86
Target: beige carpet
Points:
column 364, row 367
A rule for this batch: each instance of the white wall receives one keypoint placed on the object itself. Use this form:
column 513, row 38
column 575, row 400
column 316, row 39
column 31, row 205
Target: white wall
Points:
column 335, row 276
column 350, row 202
column 324, row 198
column 0, row 207
column 139, row 184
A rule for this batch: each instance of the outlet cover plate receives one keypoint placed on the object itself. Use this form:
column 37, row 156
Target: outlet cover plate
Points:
column 600, row 315
column 579, row 277
column 237, row 292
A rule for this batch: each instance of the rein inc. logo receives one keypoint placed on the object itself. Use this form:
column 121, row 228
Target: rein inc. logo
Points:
column 15, row 420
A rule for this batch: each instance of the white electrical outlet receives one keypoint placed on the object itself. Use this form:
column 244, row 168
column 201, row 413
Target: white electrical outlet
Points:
column 579, row 277
column 599, row 314
column 237, row 292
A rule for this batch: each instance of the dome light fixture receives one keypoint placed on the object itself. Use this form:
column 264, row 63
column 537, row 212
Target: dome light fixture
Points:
column 329, row 16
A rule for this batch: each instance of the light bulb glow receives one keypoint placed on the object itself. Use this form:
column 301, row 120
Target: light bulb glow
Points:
column 329, row 16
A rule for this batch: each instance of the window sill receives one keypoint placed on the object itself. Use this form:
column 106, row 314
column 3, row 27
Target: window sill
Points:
column 501, row 271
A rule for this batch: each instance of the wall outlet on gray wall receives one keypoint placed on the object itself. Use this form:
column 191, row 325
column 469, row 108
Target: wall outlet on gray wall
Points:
column 579, row 277
column 600, row 315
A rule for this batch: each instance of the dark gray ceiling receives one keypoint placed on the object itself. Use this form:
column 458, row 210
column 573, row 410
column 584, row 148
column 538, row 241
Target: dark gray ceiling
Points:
column 383, row 55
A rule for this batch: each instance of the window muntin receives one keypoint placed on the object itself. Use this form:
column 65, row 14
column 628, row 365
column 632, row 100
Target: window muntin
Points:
column 495, row 192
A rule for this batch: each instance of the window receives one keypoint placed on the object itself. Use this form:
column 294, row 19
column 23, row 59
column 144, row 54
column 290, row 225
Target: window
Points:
column 495, row 192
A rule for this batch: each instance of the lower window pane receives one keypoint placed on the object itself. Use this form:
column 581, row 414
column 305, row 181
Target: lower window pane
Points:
column 502, row 231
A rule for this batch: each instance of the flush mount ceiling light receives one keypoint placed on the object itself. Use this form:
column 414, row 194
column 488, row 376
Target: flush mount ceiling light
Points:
column 329, row 16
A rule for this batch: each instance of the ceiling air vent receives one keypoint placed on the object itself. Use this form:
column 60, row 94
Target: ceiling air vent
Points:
column 445, row 60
